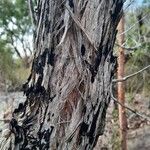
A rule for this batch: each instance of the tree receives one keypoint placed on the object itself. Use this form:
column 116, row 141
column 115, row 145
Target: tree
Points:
column 121, row 88
column 15, row 28
column 68, row 90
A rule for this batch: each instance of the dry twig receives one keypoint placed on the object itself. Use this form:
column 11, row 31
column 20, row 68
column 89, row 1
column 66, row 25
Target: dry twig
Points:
column 124, row 79
column 130, row 109
column 131, row 75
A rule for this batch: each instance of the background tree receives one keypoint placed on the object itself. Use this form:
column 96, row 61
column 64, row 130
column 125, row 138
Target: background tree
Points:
column 6, row 63
column 15, row 34
column 121, row 85
column 136, row 48
column 15, row 28
column 138, row 37
column 68, row 90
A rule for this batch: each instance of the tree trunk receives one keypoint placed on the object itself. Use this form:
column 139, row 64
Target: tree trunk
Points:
column 68, row 91
column 121, row 89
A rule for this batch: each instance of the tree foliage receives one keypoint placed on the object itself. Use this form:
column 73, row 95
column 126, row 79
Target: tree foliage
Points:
column 15, row 26
column 139, row 37
column 15, row 35
column 6, row 62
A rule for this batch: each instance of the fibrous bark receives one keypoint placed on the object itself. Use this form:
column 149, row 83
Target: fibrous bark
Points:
column 68, row 91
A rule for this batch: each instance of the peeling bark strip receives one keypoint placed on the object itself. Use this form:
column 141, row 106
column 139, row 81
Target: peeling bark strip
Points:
column 68, row 91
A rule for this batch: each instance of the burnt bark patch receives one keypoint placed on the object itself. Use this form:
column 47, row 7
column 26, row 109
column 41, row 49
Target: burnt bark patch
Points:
column 39, row 62
column 43, row 57
column 94, row 68
column 17, row 130
column 93, row 125
column 71, row 4
column 51, row 56
column 44, row 138
column 37, row 89
column 37, row 66
column 19, row 109
column 83, row 50
column 115, row 11
column 83, row 128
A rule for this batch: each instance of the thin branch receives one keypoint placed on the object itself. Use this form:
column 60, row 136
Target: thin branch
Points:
column 130, row 109
column 133, row 25
column 32, row 14
column 70, row 136
column 131, row 2
column 131, row 75
column 128, row 48
column 5, row 120
column 21, row 40
column 63, row 122
column 16, row 24
column 138, row 45
column 23, row 46
column 15, row 48
column 2, row 33
column 28, row 47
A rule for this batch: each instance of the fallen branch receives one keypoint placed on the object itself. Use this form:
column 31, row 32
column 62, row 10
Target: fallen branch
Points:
column 131, row 75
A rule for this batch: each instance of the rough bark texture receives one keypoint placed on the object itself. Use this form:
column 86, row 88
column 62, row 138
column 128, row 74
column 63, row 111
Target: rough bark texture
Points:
column 68, row 91
column 121, row 88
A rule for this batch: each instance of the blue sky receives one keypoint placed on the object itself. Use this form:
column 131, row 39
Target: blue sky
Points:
column 133, row 4
column 139, row 1
column 136, row 2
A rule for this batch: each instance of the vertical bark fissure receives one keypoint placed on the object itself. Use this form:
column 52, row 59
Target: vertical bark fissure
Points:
column 68, row 91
